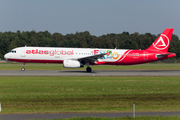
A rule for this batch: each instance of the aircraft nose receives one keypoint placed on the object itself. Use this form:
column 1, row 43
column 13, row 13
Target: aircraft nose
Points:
column 6, row 56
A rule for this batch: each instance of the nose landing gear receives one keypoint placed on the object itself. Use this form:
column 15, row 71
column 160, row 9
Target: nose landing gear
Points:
column 23, row 68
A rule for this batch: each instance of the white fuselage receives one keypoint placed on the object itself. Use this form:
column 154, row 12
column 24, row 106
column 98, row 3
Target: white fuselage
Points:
column 57, row 55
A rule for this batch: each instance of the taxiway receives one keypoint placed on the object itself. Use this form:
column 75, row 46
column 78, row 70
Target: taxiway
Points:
column 93, row 73
column 70, row 115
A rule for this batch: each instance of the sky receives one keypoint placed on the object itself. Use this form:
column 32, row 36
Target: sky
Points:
column 99, row 17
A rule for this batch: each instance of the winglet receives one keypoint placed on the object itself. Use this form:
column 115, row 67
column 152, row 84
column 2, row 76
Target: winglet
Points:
column 108, row 53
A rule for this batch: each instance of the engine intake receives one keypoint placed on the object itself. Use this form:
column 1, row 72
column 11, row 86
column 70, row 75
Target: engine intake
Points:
column 72, row 64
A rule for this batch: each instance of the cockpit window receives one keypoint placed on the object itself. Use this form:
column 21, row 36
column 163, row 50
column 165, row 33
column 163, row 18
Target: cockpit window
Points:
column 12, row 51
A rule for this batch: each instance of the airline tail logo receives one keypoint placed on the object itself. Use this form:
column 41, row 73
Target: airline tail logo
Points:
column 162, row 43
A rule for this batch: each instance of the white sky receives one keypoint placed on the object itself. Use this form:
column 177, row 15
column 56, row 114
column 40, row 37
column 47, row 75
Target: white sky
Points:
column 96, row 16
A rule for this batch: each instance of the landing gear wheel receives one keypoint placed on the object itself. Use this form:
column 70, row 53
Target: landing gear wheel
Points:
column 88, row 69
column 23, row 69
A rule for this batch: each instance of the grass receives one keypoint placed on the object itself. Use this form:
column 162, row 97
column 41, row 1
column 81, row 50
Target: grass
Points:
column 88, row 94
column 38, row 66
column 123, row 118
column 127, row 118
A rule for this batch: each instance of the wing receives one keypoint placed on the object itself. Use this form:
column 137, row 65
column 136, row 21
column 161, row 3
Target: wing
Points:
column 92, row 58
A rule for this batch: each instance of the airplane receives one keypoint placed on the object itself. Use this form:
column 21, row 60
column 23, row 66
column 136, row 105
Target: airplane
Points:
column 80, row 57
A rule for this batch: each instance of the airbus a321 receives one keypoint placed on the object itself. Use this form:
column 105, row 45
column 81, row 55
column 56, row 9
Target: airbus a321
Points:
column 80, row 57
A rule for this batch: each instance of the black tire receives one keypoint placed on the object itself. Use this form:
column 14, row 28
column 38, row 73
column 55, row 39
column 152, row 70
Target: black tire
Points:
column 23, row 69
column 88, row 69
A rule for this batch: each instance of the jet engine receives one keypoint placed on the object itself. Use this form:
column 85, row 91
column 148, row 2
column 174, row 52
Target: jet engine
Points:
column 72, row 64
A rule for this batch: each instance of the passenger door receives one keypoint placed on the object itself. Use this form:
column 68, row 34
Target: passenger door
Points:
column 23, row 52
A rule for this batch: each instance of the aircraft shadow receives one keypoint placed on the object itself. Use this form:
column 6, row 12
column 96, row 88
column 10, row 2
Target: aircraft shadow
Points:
column 77, row 72
column 96, row 71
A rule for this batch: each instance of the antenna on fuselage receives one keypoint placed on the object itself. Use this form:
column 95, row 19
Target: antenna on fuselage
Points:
column 116, row 44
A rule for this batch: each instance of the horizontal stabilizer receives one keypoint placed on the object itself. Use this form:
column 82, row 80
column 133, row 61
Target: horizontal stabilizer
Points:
column 163, row 55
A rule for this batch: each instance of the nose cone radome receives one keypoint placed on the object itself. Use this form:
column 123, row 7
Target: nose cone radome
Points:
column 6, row 56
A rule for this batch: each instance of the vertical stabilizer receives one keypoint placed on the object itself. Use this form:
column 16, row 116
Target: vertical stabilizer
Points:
column 163, row 41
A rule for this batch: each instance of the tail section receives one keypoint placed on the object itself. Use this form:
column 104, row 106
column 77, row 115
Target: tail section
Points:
column 163, row 41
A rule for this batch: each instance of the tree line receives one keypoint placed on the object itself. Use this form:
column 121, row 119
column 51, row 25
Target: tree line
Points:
column 10, row 40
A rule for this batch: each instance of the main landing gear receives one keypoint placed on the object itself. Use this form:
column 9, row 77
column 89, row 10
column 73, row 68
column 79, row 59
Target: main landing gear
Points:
column 88, row 69
column 23, row 68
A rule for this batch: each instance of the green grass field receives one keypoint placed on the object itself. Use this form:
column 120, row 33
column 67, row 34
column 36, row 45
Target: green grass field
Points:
column 127, row 118
column 38, row 66
column 88, row 94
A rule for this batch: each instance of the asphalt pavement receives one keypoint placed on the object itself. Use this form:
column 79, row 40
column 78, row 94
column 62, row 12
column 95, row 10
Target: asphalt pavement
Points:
column 93, row 73
column 71, row 115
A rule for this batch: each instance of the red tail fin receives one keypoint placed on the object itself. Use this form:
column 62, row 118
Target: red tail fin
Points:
column 163, row 41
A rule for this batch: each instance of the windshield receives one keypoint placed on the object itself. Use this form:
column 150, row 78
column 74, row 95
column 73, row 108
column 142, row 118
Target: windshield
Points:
column 13, row 51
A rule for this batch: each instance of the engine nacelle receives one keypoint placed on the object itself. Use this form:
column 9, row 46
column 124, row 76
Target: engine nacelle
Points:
column 72, row 64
